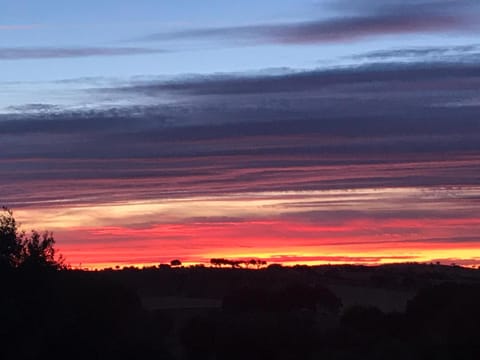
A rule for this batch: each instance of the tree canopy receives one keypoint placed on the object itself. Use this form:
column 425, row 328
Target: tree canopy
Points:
column 20, row 250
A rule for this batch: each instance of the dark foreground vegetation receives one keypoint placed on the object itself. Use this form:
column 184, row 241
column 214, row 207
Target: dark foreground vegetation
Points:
column 407, row 311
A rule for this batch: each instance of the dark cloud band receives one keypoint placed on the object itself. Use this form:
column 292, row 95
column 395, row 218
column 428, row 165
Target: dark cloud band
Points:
column 385, row 125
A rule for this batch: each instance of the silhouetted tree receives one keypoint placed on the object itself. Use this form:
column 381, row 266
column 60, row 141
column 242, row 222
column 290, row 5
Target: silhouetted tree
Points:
column 38, row 251
column 236, row 263
column 19, row 250
column 261, row 263
column 176, row 262
column 216, row 262
column 275, row 267
column 10, row 240
column 256, row 262
column 252, row 262
column 226, row 262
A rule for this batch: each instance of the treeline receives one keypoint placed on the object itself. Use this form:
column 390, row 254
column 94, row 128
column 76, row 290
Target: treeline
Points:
column 258, row 263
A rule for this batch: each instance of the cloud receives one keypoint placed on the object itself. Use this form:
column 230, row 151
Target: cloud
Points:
column 375, row 126
column 33, row 108
column 322, row 31
column 372, row 75
column 23, row 53
column 459, row 53
column 373, row 161
column 355, row 21
column 388, row 6
column 358, row 240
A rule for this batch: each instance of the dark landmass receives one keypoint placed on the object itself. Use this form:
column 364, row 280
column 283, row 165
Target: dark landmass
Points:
column 404, row 311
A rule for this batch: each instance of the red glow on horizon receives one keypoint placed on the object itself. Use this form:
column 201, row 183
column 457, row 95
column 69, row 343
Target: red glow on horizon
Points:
column 367, row 226
column 359, row 241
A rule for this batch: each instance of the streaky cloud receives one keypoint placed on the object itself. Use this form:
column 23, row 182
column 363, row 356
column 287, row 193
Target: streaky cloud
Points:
column 321, row 31
column 363, row 20
column 25, row 53
column 455, row 53
column 380, row 125
column 33, row 108
column 311, row 80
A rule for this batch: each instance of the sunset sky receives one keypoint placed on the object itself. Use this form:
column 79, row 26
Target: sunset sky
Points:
column 296, row 131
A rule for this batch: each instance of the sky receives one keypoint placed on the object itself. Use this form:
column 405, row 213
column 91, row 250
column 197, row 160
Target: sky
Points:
column 296, row 131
